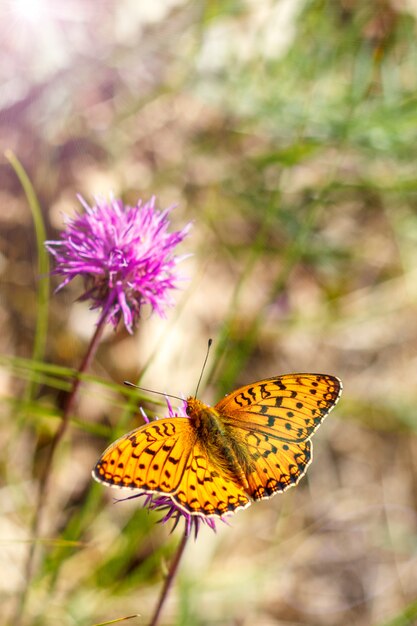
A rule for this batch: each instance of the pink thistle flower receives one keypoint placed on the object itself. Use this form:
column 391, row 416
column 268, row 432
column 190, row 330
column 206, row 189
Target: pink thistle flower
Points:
column 125, row 256
column 165, row 504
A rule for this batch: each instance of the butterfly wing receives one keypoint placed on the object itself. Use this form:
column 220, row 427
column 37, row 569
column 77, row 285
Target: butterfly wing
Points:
column 289, row 407
column 206, row 489
column 164, row 457
column 151, row 458
column 274, row 419
column 273, row 465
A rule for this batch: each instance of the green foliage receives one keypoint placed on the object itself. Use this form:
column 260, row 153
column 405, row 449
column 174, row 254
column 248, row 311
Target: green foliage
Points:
column 287, row 135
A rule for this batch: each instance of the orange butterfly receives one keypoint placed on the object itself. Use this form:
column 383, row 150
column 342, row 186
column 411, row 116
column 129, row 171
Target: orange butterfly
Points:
column 254, row 443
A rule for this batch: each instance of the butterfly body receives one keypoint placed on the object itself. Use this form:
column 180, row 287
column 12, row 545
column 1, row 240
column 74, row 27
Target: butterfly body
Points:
column 222, row 448
column 252, row 444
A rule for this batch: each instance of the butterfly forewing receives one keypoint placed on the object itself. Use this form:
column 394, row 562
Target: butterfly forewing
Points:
column 150, row 458
column 288, row 407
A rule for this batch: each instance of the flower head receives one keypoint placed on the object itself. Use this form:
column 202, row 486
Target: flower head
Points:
column 125, row 256
column 165, row 504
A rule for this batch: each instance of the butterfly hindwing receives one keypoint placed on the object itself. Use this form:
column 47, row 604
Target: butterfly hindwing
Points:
column 206, row 490
column 275, row 465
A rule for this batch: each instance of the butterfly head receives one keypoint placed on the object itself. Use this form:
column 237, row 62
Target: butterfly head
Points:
column 194, row 407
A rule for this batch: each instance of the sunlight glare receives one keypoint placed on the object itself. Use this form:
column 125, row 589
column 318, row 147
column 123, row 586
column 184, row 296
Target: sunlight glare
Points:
column 32, row 10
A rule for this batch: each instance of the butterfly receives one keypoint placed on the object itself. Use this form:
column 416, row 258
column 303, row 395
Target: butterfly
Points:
column 252, row 444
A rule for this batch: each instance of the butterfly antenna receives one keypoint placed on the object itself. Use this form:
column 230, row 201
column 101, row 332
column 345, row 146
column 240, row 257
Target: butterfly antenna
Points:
column 210, row 341
column 160, row 393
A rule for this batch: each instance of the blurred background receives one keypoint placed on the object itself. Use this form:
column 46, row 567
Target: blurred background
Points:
column 286, row 132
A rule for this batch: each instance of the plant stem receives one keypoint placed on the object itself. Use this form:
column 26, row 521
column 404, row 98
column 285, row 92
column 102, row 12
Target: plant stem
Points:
column 43, row 279
column 44, row 481
column 169, row 579
column 68, row 408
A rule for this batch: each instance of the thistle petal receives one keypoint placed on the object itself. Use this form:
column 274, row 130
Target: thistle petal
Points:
column 125, row 256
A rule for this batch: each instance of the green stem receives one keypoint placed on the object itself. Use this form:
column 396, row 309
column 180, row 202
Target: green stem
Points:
column 42, row 293
column 46, row 473
column 169, row 579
